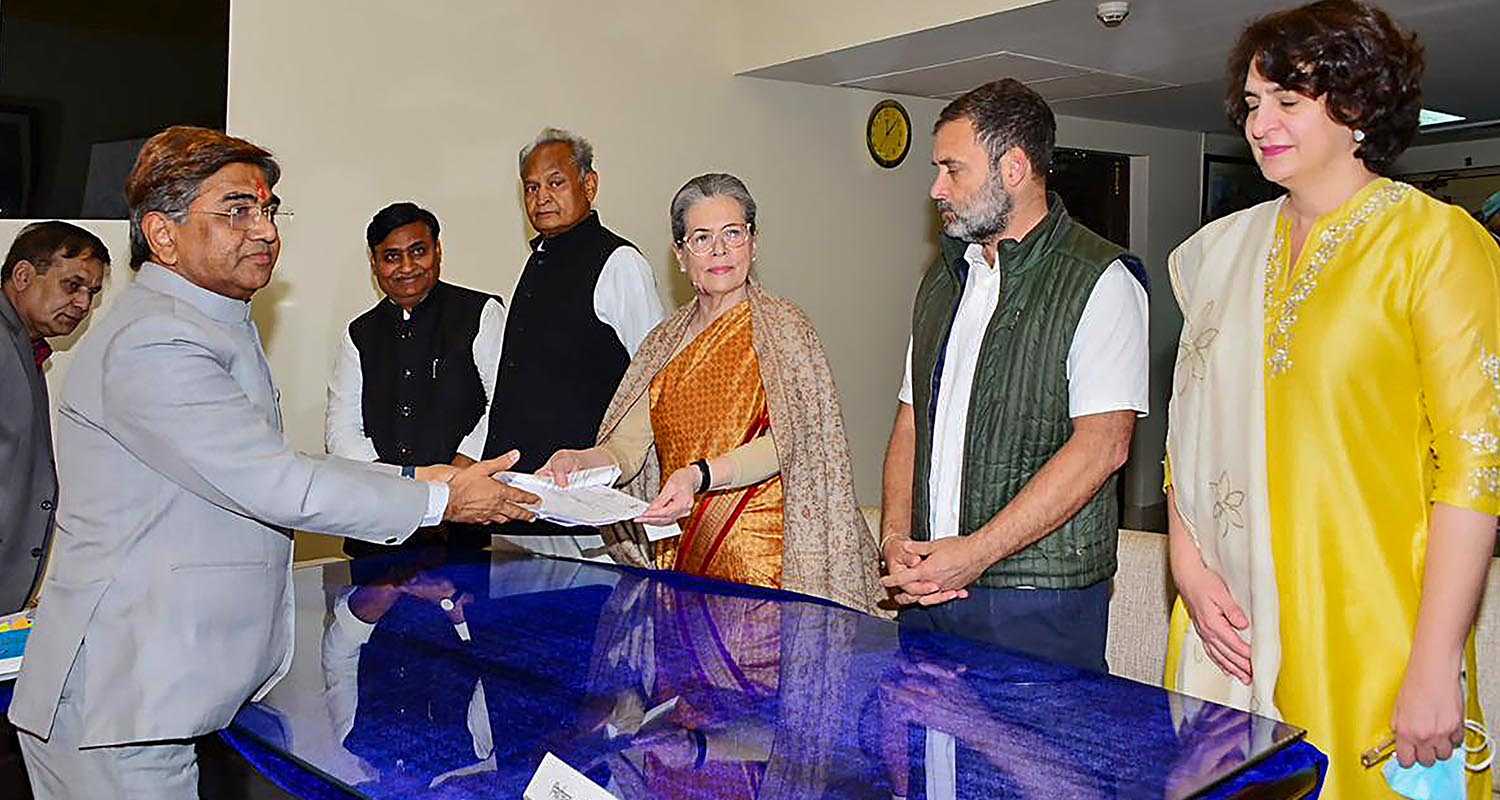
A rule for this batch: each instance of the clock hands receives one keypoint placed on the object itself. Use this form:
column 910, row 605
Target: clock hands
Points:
column 888, row 133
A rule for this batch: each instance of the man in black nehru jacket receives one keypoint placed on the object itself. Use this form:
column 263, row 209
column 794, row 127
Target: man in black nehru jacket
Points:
column 584, row 302
column 414, row 375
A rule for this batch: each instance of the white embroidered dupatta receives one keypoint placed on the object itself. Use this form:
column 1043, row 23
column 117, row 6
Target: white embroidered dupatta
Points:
column 1216, row 441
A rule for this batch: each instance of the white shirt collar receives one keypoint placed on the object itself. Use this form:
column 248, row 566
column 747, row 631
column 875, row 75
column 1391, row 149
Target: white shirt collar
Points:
column 974, row 255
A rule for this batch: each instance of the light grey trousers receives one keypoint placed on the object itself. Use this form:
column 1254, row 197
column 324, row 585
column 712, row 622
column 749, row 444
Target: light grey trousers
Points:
column 60, row 770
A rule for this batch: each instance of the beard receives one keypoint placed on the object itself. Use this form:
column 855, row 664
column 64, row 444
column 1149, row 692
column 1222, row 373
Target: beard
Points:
column 983, row 218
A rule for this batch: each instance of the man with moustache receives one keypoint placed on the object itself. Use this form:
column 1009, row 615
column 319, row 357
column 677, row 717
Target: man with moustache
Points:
column 1026, row 370
column 168, row 604
column 47, row 288
column 585, row 300
column 413, row 377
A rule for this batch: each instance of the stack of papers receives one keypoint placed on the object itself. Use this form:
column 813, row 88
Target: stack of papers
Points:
column 14, row 628
column 589, row 498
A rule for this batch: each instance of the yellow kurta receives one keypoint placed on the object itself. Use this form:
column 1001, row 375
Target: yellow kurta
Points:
column 1382, row 397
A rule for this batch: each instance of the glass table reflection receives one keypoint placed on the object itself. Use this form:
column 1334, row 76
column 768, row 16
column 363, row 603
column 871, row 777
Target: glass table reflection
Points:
column 660, row 685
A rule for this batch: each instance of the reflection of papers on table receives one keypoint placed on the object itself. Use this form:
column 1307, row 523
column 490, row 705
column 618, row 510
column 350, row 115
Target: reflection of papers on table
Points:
column 632, row 722
column 554, row 779
column 589, row 499
column 14, row 628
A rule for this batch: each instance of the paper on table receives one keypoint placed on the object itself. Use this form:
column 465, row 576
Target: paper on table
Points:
column 588, row 499
column 14, row 629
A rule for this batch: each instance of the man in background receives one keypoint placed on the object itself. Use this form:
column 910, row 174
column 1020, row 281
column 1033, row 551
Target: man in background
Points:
column 585, row 300
column 413, row 378
column 47, row 288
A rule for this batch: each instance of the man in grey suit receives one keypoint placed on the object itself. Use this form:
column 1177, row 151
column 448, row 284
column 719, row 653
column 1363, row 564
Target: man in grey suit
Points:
column 168, row 603
column 47, row 288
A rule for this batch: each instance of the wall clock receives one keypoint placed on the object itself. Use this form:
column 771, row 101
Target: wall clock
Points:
column 888, row 133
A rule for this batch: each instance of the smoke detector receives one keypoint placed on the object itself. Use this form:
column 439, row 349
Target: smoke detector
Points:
column 1112, row 13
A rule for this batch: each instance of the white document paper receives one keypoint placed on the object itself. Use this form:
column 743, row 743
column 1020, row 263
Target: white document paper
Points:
column 589, row 498
column 656, row 533
column 555, row 780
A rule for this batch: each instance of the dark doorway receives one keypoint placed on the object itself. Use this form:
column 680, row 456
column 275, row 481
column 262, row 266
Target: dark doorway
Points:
column 1095, row 188
column 83, row 82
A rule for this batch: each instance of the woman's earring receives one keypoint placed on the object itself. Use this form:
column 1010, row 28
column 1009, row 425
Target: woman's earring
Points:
column 1359, row 136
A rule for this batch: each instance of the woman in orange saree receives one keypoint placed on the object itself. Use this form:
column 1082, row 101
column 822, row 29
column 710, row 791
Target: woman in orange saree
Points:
column 731, row 399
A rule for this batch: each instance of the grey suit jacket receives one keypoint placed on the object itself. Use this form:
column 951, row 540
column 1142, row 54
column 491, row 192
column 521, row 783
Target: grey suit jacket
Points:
column 28, row 494
column 172, row 558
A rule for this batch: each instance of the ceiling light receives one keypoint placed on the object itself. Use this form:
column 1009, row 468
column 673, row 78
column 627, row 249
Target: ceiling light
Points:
column 1112, row 13
column 1430, row 117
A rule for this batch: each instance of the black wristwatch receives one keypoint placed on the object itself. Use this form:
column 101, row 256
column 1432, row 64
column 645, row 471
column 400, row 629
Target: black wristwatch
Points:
column 705, row 481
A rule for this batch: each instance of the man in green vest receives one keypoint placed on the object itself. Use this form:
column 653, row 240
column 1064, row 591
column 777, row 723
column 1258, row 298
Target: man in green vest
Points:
column 1025, row 374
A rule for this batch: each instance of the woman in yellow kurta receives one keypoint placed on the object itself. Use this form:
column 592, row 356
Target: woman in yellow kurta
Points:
column 1334, row 435
column 732, row 402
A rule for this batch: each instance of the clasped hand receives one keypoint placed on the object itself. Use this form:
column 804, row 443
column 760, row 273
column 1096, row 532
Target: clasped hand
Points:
column 929, row 573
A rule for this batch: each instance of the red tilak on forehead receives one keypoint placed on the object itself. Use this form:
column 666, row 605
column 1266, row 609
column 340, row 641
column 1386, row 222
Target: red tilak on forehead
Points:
column 262, row 192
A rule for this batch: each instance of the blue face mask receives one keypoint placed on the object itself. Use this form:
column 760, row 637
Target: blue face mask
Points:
column 1444, row 780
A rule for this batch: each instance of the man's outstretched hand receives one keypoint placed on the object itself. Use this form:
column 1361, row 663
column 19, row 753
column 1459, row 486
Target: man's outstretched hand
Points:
column 475, row 496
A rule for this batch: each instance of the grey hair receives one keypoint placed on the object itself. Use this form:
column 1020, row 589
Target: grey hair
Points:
column 583, row 152
column 713, row 184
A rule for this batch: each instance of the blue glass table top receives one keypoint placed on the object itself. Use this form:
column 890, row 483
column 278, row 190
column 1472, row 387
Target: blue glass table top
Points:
column 661, row 685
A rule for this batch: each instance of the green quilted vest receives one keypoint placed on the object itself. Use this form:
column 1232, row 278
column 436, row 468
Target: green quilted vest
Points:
column 1018, row 409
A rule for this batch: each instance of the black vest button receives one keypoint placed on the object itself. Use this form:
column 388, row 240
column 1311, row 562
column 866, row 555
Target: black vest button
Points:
column 36, row 552
column 46, row 505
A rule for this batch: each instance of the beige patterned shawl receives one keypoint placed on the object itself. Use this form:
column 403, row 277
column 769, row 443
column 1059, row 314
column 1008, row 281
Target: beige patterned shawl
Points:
column 828, row 551
column 1216, row 441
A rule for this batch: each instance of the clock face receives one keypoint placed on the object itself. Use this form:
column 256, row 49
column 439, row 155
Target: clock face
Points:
column 888, row 133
